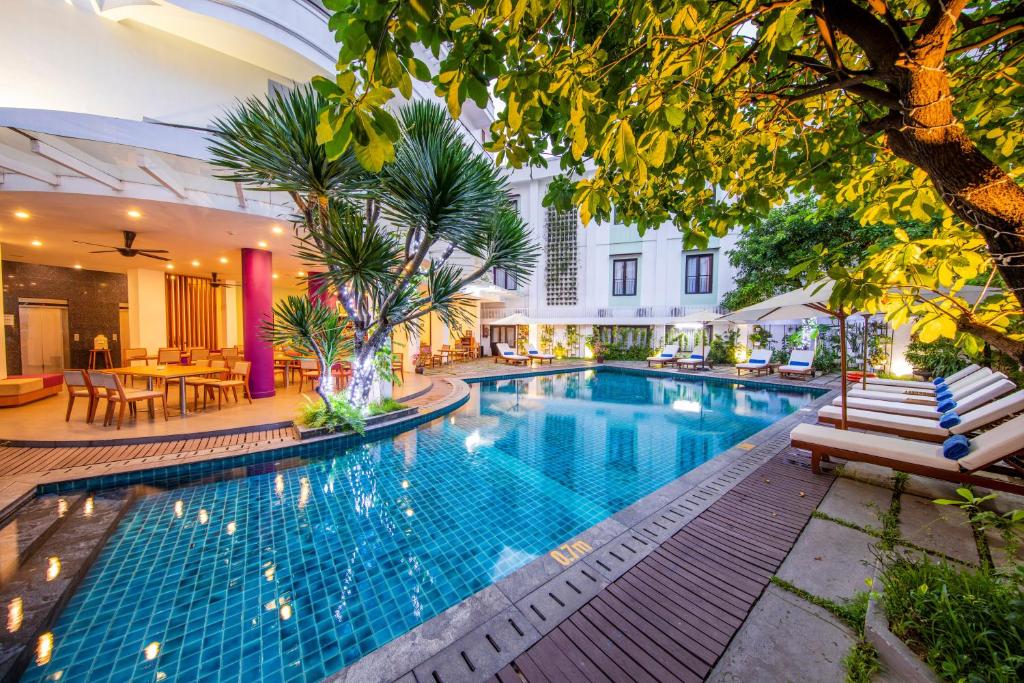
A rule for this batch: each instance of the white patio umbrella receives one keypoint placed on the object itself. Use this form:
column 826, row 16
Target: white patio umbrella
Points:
column 514, row 319
column 807, row 302
column 701, row 318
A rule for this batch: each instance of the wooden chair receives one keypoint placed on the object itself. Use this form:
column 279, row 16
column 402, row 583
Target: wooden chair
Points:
column 342, row 373
column 398, row 366
column 425, row 359
column 168, row 356
column 309, row 369
column 239, row 377
column 79, row 386
column 116, row 394
column 136, row 354
column 200, row 353
column 196, row 382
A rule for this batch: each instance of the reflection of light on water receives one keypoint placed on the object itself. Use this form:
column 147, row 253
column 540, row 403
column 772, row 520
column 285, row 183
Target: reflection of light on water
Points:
column 44, row 648
column 62, row 507
column 685, row 406
column 269, row 573
column 89, row 506
column 231, row 528
column 303, row 492
column 509, row 559
column 204, row 516
column 179, row 508
column 475, row 441
column 152, row 650
column 405, row 484
column 15, row 614
column 286, row 612
column 409, row 512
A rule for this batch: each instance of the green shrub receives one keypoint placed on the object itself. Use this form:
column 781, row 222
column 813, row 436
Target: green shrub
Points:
column 385, row 406
column 724, row 347
column 967, row 624
column 941, row 357
column 341, row 415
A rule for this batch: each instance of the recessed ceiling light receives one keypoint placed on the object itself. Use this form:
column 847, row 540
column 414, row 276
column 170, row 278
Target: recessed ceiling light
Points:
column 301, row 274
column 78, row 266
column 36, row 243
column 277, row 230
column 134, row 213
column 223, row 259
column 23, row 215
column 275, row 276
column 170, row 266
column 261, row 244
column 195, row 263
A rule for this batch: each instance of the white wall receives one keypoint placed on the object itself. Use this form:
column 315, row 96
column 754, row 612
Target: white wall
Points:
column 147, row 308
column 57, row 56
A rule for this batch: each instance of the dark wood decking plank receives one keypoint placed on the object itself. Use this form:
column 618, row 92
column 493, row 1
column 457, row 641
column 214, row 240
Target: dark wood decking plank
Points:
column 586, row 647
column 660, row 666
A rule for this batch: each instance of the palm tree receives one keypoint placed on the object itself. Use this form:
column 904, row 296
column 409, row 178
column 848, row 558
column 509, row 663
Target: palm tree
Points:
column 383, row 240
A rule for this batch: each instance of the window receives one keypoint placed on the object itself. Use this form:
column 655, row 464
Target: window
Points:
column 624, row 277
column 698, row 274
column 504, row 279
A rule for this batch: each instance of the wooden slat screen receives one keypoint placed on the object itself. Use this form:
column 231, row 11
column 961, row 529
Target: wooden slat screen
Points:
column 191, row 312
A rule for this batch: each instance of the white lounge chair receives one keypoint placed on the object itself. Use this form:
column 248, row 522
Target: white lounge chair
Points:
column 926, row 428
column 958, row 390
column 667, row 355
column 760, row 361
column 970, row 377
column 536, row 355
column 915, row 384
column 696, row 360
column 979, row 397
column 799, row 365
column 983, row 453
column 509, row 356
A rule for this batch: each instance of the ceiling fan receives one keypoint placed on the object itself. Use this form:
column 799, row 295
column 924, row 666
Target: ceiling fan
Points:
column 215, row 283
column 127, row 250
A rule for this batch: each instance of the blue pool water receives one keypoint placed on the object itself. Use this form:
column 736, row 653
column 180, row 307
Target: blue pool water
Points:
column 289, row 570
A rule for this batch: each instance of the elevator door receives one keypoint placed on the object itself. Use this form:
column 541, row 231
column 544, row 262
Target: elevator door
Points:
column 44, row 338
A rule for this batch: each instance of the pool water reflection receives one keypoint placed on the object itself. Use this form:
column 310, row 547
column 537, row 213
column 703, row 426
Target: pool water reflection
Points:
column 299, row 567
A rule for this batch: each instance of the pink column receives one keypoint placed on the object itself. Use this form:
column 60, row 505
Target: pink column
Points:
column 257, row 307
column 314, row 281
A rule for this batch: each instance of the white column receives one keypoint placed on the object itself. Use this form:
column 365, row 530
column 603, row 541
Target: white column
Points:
column 231, row 322
column 147, row 308
column 898, row 363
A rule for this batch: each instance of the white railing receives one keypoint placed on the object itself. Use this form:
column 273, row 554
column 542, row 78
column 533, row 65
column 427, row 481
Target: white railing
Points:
column 611, row 314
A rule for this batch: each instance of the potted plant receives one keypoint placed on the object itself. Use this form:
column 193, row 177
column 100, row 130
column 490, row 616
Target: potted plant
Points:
column 597, row 348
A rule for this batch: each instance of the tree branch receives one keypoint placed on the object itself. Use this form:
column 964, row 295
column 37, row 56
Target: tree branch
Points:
column 998, row 35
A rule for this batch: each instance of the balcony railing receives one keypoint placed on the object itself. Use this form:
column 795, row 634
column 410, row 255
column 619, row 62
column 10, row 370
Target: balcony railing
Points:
column 610, row 315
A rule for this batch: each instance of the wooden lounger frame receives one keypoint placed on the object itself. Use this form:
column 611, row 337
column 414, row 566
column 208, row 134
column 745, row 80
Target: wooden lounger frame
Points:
column 1014, row 469
column 513, row 361
column 766, row 369
column 797, row 374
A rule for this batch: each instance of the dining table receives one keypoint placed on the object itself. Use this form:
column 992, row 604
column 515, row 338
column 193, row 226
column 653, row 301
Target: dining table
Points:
column 167, row 373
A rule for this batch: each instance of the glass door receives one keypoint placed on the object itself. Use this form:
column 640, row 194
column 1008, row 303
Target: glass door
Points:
column 44, row 338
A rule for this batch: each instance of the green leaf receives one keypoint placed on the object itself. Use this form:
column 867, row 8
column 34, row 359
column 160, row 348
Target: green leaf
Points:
column 460, row 23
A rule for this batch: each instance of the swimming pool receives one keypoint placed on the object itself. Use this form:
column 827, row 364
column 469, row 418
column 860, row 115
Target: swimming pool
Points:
column 295, row 568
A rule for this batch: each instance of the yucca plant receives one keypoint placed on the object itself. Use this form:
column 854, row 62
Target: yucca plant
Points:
column 313, row 329
column 384, row 241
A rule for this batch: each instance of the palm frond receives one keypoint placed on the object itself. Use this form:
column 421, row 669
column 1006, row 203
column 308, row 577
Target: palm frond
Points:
column 505, row 244
column 270, row 143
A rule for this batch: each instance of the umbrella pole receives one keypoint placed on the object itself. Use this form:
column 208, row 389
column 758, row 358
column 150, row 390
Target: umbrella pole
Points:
column 842, row 364
column 864, row 377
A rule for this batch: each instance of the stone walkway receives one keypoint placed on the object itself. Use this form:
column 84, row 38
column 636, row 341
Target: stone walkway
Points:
column 788, row 638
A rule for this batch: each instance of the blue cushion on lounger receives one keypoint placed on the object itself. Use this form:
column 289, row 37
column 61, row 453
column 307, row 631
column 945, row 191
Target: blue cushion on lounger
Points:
column 956, row 447
column 696, row 356
column 939, row 380
column 946, row 406
column 950, row 418
column 534, row 353
column 508, row 353
column 667, row 355
column 758, row 361
column 799, row 363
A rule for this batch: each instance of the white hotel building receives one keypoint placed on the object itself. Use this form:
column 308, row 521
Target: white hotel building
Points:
column 103, row 106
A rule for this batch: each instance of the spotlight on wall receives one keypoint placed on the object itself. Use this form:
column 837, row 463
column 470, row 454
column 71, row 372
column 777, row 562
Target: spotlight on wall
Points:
column 23, row 215
column 223, row 259
column 277, row 230
column 261, row 244
column 170, row 266
column 195, row 263
column 134, row 213
column 36, row 243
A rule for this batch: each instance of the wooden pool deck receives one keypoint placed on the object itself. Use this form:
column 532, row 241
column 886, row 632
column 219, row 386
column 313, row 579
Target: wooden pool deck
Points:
column 672, row 615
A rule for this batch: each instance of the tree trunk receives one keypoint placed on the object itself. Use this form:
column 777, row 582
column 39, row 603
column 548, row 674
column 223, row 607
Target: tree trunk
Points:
column 927, row 134
column 364, row 374
column 1011, row 347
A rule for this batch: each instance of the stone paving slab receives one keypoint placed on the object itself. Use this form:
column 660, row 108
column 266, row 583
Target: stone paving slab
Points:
column 857, row 502
column 944, row 528
column 786, row 639
column 830, row 560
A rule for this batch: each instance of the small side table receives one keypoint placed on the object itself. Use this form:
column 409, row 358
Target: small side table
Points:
column 103, row 353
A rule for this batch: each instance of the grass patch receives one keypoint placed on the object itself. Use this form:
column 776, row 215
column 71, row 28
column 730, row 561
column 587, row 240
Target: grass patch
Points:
column 338, row 415
column 877, row 533
column 385, row 406
column 861, row 662
column 967, row 625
